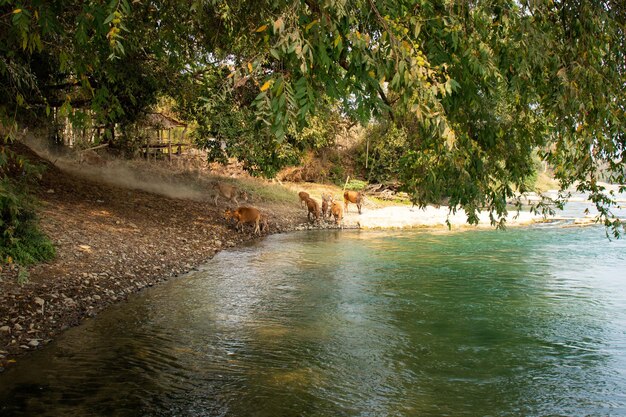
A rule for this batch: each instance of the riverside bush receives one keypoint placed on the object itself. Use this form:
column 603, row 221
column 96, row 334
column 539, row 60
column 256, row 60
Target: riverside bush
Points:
column 21, row 241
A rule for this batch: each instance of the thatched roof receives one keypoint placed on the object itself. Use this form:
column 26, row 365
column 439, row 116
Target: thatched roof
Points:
column 161, row 121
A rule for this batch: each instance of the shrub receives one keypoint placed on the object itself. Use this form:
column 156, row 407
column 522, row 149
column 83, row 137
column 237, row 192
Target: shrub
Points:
column 356, row 185
column 21, row 241
column 337, row 174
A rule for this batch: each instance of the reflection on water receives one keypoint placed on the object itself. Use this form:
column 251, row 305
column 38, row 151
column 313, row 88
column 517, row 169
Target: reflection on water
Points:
column 522, row 322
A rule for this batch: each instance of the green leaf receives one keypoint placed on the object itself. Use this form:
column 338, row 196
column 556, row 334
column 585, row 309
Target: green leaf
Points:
column 417, row 29
column 109, row 18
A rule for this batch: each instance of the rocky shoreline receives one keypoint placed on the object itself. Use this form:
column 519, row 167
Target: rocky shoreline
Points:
column 111, row 242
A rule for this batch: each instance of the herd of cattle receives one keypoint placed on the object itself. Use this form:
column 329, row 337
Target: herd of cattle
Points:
column 330, row 207
column 251, row 215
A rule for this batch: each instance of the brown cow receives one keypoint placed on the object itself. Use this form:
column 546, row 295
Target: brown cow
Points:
column 327, row 200
column 355, row 197
column 245, row 215
column 90, row 157
column 229, row 192
column 303, row 196
column 337, row 211
column 313, row 208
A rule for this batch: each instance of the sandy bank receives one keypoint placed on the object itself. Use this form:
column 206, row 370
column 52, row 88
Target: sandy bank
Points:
column 413, row 217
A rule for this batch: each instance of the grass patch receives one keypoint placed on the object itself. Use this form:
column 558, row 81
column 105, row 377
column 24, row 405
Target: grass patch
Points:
column 265, row 191
column 356, row 185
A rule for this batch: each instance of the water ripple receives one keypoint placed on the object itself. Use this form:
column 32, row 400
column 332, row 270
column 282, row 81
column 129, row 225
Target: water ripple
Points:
column 526, row 322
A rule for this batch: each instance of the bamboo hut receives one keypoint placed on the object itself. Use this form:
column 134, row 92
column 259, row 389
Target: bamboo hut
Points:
column 170, row 133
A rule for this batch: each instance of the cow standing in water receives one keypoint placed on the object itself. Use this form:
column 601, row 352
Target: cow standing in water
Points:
column 355, row 197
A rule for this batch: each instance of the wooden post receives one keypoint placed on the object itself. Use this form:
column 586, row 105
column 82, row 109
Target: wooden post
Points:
column 346, row 184
column 169, row 145
column 367, row 152
column 182, row 139
column 159, row 136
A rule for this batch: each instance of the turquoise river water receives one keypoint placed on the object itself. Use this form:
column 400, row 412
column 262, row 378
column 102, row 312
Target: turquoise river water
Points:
column 523, row 322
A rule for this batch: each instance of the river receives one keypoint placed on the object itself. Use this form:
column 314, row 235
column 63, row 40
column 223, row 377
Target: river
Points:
column 523, row 322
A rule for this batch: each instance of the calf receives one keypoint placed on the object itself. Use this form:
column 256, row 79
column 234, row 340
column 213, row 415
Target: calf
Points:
column 327, row 200
column 245, row 215
column 303, row 196
column 229, row 192
column 355, row 197
column 313, row 208
column 337, row 211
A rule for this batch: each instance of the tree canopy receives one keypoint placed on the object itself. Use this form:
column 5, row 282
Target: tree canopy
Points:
column 476, row 87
